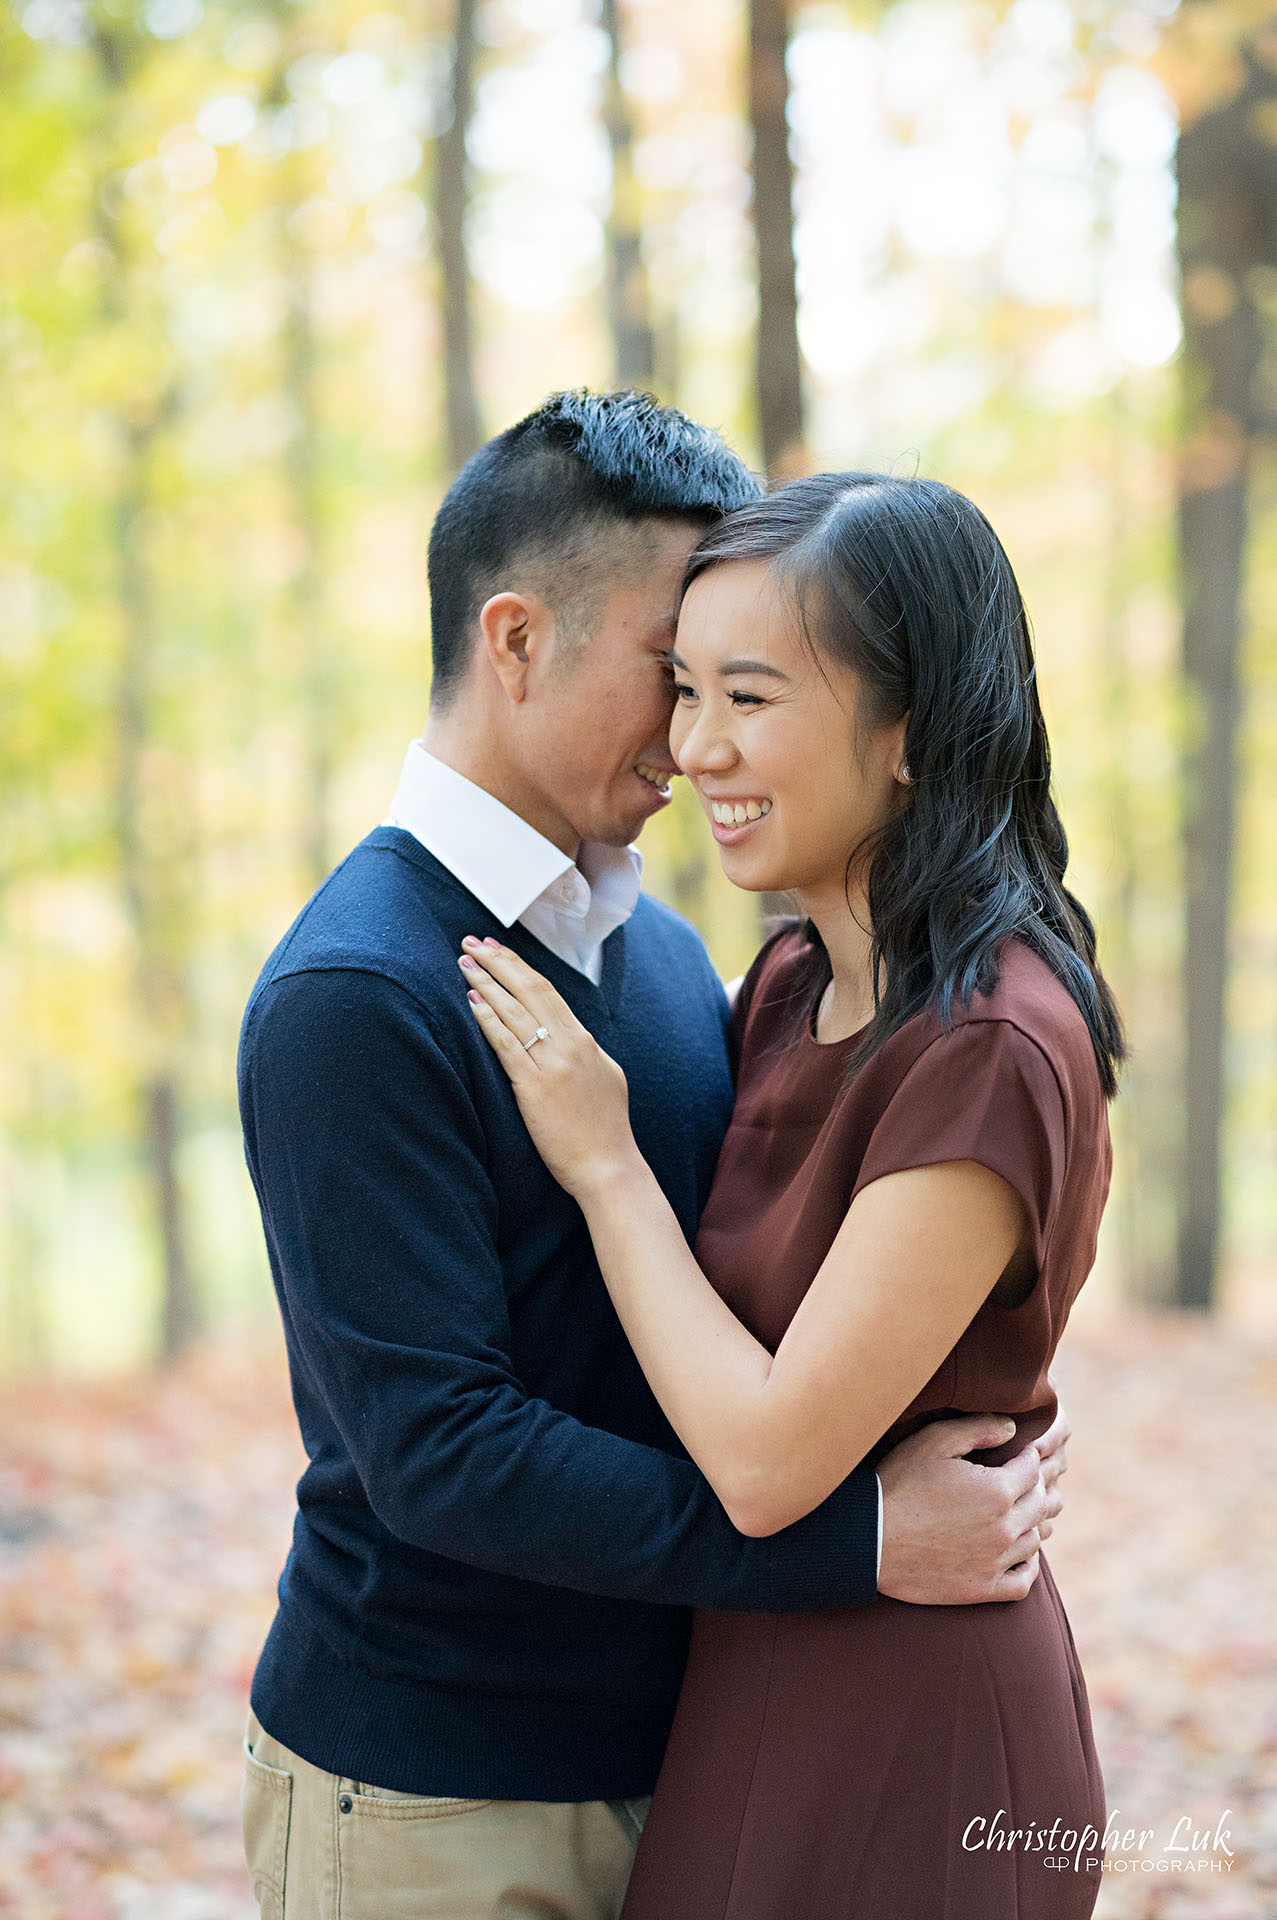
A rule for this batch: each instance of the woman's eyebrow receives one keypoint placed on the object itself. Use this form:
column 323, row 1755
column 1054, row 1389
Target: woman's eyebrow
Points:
column 752, row 666
column 733, row 666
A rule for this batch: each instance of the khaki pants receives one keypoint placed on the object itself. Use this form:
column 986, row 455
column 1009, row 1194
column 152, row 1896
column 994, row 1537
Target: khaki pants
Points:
column 323, row 1848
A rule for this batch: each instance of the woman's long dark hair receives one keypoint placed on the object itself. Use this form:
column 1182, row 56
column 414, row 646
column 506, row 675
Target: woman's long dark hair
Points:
column 905, row 582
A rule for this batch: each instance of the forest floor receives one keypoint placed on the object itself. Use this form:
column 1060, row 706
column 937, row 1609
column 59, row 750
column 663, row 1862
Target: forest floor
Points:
column 143, row 1523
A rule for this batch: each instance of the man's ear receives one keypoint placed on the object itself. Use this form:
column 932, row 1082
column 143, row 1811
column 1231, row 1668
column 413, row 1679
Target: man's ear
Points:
column 516, row 632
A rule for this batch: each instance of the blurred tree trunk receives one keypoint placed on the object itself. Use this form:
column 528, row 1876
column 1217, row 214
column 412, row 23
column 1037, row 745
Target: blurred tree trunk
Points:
column 778, row 376
column 28, row 1206
column 306, row 589
column 303, row 476
column 1116, row 675
column 778, row 363
column 149, row 815
column 1228, row 228
column 451, row 199
column 628, row 298
column 146, row 878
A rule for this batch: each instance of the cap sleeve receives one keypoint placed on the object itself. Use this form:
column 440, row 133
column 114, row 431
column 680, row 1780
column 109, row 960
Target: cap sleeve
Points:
column 985, row 1092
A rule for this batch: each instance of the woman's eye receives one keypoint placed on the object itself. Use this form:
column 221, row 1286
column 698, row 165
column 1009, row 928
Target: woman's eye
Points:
column 681, row 688
column 747, row 700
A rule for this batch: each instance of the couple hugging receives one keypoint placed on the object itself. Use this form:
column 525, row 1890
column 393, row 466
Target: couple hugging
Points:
column 674, row 1376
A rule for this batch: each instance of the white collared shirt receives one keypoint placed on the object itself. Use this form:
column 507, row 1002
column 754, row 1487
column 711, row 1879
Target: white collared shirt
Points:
column 514, row 871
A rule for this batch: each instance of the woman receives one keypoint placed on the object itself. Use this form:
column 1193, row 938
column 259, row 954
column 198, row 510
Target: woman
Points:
column 905, row 1207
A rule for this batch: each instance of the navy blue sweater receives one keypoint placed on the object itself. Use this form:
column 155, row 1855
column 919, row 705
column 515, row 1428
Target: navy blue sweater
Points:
column 498, row 1535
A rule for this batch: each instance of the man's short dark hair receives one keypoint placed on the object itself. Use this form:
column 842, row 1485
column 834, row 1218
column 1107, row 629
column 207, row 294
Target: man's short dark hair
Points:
column 555, row 494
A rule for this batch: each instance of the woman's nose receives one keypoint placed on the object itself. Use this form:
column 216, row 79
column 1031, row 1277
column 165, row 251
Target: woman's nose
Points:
column 703, row 748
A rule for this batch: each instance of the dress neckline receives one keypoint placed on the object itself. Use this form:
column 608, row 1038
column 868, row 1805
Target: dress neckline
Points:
column 830, row 1046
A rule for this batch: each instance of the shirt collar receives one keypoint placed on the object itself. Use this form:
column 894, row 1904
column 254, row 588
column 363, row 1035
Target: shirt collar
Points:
column 505, row 863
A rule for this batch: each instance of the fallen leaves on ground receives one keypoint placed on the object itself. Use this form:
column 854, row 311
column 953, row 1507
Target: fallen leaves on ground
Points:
column 143, row 1524
column 142, row 1527
column 1166, row 1559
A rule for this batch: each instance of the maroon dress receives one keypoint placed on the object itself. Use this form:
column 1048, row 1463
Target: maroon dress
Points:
column 874, row 1764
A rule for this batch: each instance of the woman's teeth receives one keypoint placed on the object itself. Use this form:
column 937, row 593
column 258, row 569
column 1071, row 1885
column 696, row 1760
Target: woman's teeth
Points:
column 734, row 813
column 661, row 781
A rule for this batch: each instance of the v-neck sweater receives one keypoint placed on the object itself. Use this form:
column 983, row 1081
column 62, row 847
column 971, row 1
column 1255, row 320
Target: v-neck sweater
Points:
column 498, row 1537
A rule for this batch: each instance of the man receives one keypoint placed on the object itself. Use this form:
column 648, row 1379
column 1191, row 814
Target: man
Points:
column 465, row 1695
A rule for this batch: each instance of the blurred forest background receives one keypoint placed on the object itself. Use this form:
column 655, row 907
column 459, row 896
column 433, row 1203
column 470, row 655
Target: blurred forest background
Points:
column 272, row 268
column 269, row 270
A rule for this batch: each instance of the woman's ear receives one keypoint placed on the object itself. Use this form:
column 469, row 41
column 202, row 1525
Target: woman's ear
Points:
column 514, row 629
column 901, row 770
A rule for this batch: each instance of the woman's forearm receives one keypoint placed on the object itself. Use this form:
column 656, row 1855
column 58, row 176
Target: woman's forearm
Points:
column 708, row 1371
column 774, row 1435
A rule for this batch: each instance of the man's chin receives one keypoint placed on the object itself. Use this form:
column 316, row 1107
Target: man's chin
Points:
column 621, row 833
column 624, row 827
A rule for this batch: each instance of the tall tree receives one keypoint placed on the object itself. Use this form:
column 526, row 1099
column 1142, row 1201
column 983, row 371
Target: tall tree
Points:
column 1117, row 687
column 778, row 362
column 307, row 586
column 148, row 814
column 628, row 295
column 778, row 377
column 451, row 200
column 1228, row 229
column 26, row 1331
column 303, row 476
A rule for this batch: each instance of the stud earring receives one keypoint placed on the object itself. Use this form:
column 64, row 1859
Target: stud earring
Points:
column 904, row 776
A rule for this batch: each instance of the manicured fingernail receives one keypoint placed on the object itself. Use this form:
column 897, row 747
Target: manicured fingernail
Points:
column 470, row 940
column 490, row 942
column 470, row 965
column 476, row 999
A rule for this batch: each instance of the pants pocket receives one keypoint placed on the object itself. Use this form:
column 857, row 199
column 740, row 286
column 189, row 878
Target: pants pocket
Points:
column 426, row 1804
column 410, row 1857
column 267, row 1806
column 414, row 1857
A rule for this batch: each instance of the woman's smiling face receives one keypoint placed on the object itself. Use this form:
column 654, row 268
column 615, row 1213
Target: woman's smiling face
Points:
column 791, row 775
